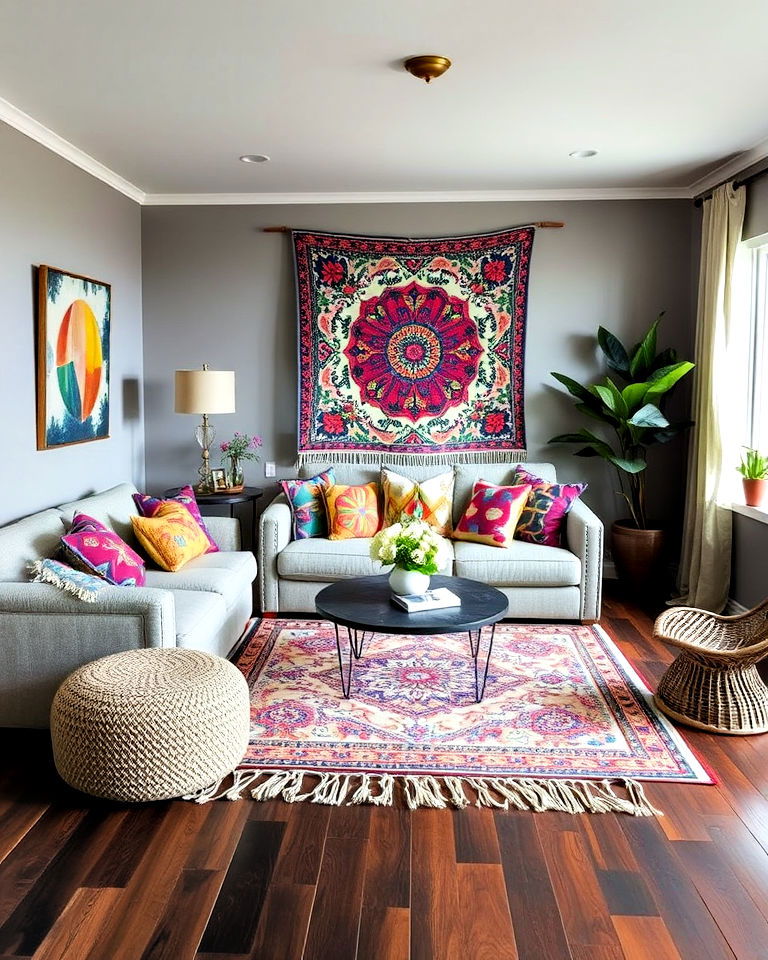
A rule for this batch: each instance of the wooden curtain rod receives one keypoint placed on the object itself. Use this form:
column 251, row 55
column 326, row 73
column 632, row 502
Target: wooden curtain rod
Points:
column 542, row 224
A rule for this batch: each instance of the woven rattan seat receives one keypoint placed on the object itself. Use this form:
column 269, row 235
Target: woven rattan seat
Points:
column 714, row 684
column 150, row 724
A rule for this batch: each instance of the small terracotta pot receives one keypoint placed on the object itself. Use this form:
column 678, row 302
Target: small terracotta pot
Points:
column 636, row 553
column 755, row 491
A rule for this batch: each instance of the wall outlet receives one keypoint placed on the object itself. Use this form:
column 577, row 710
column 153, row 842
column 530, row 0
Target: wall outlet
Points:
column 269, row 469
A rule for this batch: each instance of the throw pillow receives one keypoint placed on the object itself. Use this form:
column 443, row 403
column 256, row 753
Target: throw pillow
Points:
column 84, row 586
column 171, row 537
column 543, row 517
column 492, row 514
column 352, row 511
column 431, row 500
column 307, row 505
column 148, row 507
column 91, row 547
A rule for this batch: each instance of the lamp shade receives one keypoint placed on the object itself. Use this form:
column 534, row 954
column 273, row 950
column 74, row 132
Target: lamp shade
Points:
column 205, row 391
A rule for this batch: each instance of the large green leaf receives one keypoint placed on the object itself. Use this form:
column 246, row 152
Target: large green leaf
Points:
column 665, row 378
column 597, row 413
column 575, row 389
column 634, row 395
column 628, row 466
column 645, row 352
column 666, row 358
column 649, row 416
column 606, row 395
column 615, row 354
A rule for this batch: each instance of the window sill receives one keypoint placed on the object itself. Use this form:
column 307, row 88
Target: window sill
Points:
column 756, row 513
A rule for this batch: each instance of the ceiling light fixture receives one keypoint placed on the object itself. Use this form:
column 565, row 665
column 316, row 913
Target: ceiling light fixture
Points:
column 427, row 67
column 582, row 154
column 254, row 158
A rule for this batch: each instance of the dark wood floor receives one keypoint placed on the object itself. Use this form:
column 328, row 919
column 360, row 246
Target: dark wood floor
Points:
column 85, row 880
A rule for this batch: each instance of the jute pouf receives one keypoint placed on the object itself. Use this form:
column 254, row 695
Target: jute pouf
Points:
column 150, row 724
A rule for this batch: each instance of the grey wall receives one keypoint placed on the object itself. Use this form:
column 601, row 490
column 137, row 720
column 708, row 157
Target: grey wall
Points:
column 218, row 289
column 53, row 213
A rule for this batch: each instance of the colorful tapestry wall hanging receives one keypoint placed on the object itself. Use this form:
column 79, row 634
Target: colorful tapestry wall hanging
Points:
column 410, row 348
column 72, row 358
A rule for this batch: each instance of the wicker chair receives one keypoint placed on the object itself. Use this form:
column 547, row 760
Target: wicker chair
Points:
column 714, row 684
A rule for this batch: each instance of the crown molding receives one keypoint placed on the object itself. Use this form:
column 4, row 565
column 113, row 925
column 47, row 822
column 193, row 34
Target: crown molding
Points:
column 417, row 196
column 36, row 131
column 731, row 168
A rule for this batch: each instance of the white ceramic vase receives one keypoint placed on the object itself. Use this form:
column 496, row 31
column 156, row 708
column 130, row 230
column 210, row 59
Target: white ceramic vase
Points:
column 405, row 582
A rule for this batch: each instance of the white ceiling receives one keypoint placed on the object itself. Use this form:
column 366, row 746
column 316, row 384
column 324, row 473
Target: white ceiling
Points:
column 168, row 93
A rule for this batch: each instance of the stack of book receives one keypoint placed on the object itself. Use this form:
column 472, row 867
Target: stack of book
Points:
column 431, row 600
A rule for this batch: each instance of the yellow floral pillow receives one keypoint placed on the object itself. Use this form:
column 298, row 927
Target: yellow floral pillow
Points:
column 431, row 500
column 352, row 511
column 171, row 537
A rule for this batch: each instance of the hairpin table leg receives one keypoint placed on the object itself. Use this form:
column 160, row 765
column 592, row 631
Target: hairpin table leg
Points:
column 346, row 683
column 474, row 646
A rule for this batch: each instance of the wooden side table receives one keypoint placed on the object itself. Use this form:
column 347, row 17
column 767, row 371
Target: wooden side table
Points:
column 247, row 495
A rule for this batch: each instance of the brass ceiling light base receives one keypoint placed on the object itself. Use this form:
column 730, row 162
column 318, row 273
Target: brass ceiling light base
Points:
column 427, row 67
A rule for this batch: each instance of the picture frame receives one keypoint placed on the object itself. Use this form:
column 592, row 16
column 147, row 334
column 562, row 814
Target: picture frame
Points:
column 218, row 480
column 73, row 358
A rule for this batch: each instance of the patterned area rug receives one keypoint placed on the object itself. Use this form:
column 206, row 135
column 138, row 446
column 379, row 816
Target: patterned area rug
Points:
column 562, row 707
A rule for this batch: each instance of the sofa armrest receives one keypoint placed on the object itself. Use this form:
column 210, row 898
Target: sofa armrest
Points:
column 274, row 536
column 584, row 535
column 45, row 634
column 225, row 531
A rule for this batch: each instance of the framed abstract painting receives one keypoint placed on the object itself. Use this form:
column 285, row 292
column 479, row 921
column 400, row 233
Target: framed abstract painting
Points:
column 74, row 316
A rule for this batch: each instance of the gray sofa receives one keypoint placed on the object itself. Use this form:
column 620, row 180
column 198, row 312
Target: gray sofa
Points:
column 541, row 583
column 46, row 633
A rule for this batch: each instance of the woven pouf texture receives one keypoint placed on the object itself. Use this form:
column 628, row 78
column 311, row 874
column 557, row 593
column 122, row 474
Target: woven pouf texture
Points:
column 150, row 724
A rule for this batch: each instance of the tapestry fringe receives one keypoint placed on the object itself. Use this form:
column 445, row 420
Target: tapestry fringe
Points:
column 375, row 459
column 500, row 793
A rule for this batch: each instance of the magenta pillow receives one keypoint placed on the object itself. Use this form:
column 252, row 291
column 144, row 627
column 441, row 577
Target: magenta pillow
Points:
column 492, row 514
column 543, row 517
column 91, row 547
column 148, row 507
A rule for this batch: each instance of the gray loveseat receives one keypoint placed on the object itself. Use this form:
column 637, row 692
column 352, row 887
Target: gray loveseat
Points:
column 541, row 583
column 45, row 633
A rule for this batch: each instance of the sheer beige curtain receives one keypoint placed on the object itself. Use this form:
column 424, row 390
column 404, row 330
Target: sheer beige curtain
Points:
column 705, row 568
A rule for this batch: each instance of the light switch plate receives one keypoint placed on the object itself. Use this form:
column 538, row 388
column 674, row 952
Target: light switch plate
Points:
column 269, row 469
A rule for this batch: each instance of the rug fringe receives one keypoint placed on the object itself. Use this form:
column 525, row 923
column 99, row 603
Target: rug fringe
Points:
column 439, row 793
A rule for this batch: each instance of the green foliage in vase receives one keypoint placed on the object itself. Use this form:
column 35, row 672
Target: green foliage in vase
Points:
column 632, row 408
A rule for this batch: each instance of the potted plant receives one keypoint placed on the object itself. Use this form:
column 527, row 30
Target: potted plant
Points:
column 233, row 452
column 416, row 550
column 754, row 476
column 633, row 410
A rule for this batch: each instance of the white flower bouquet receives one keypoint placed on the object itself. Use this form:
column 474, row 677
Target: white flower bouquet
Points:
column 410, row 545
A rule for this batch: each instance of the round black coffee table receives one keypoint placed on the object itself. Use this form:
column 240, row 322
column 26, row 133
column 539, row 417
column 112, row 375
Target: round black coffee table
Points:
column 364, row 606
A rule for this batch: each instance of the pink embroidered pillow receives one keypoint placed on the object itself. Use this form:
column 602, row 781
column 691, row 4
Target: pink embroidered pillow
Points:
column 91, row 547
column 543, row 517
column 148, row 507
column 492, row 514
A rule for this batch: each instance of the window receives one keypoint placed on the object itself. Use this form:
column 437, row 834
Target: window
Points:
column 756, row 433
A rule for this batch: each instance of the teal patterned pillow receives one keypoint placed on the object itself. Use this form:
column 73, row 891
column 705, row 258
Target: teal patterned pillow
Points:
column 308, row 505
column 84, row 586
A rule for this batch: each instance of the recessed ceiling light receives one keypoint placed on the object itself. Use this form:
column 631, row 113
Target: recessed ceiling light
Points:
column 254, row 158
column 582, row 154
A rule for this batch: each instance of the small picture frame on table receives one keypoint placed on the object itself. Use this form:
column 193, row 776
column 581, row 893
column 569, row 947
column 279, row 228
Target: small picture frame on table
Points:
column 218, row 480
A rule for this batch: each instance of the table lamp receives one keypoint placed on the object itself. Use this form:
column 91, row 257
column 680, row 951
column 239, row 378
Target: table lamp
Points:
column 205, row 392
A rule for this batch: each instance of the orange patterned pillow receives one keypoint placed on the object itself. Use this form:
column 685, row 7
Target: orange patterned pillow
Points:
column 352, row 511
column 171, row 537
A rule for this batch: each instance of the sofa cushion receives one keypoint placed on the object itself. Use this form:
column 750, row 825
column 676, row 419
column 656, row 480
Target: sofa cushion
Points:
column 32, row 538
column 521, row 564
column 324, row 561
column 199, row 616
column 225, row 583
column 242, row 563
column 113, row 507
column 171, row 536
